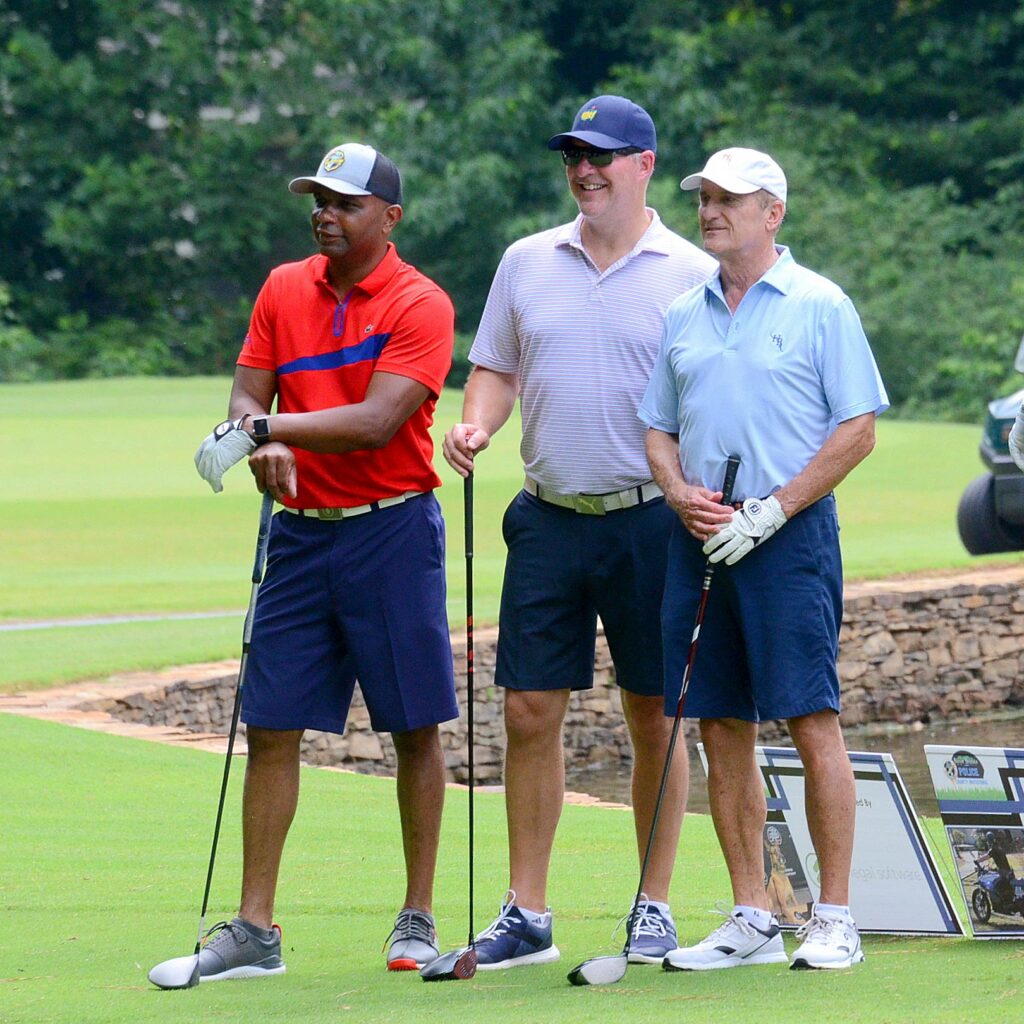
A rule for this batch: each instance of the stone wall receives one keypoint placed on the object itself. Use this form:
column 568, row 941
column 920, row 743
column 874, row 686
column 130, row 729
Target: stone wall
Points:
column 914, row 650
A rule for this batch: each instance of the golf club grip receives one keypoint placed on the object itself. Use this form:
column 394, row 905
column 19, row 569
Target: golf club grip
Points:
column 266, row 511
column 731, row 469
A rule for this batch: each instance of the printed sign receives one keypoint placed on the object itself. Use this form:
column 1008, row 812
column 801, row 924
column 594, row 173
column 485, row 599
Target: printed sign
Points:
column 895, row 887
column 980, row 791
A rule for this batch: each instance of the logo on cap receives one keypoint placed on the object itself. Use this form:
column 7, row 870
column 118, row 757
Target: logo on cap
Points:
column 589, row 115
column 334, row 159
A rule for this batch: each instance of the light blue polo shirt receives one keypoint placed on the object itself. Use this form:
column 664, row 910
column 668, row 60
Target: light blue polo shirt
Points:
column 769, row 383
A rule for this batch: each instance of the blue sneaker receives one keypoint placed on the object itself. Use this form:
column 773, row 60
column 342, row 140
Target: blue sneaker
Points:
column 653, row 935
column 512, row 941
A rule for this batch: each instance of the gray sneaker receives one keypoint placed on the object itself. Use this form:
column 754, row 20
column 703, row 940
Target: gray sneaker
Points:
column 415, row 941
column 234, row 950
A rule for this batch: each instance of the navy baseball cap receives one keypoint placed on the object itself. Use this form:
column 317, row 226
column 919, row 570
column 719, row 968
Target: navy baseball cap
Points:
column 610, row 122
column 354, row 170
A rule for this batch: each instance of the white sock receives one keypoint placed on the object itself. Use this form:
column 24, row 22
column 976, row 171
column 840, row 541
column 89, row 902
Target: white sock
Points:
column 755, row 915
column 833, row 912
column 663, row 907
column 534, row 918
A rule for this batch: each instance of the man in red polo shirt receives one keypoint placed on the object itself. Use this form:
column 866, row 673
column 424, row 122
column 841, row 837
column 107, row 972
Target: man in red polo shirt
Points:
column 355, row 345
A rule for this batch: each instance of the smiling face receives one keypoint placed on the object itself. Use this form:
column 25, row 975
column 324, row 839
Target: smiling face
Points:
column 616, row 190
column 738, row 226
column 352, row 229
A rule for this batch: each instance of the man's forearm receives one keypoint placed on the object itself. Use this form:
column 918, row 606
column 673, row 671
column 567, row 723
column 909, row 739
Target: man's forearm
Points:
column 489, row 398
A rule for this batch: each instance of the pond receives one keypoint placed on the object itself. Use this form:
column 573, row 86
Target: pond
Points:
column 906, row 746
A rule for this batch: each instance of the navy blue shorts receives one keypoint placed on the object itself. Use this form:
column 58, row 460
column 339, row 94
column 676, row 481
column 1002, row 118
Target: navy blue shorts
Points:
column 563, row 570
column 770, row 638
column 362, row 597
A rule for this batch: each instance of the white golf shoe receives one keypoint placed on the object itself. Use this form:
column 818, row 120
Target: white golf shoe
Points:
column 828, row 944
column 736, row 943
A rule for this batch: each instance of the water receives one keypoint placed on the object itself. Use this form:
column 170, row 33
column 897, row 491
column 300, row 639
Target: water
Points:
column 611, row 783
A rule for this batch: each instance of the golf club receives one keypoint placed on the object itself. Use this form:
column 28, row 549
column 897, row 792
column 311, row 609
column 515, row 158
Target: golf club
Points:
column 183, row 971
column 606, row 970
column 460, row 964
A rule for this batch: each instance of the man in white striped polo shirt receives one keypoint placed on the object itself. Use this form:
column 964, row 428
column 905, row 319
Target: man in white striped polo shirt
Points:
column 572, row 326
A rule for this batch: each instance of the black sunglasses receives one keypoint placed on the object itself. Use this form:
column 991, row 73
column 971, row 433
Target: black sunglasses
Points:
column 572, row 155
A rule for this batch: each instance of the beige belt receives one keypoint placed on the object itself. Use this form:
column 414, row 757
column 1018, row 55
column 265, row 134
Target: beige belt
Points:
column 356, row 510
column 596, row 504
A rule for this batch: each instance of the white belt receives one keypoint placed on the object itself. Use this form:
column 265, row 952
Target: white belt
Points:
column 596, row 504
column 356, row 510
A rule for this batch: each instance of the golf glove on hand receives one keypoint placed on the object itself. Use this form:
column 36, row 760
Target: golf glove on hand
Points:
column 1016, row 439
column 755, row 522
column 220, row 450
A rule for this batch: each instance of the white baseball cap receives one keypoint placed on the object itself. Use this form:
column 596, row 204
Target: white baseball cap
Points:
column 741, row 171
column 354, row 170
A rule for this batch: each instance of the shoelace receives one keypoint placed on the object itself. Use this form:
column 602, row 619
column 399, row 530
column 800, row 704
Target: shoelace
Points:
column 501, row 924
column 818, row 929
column 412, row 924
column 224, row 928
column 731, row 921
column 647, row 920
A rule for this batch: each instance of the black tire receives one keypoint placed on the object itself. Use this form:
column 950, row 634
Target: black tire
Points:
column 981, row 905
column 982, row 532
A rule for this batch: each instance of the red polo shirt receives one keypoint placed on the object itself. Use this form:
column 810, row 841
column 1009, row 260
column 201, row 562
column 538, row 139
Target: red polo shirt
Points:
column 324, row 352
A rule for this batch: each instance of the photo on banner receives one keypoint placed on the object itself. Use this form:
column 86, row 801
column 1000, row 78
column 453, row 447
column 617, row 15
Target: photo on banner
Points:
column 980, row 792
column 895, row 886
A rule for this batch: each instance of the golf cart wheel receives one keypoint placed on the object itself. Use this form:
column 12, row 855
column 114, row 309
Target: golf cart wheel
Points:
column 981, row 905
column 982, row 532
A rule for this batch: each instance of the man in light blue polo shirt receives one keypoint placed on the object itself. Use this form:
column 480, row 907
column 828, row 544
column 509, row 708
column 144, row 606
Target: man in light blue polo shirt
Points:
column 768, row 361
column 571, row 328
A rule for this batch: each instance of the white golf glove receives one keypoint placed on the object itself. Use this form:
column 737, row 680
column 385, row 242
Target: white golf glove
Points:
column 754, row 523
column 227, row 444
column 1016, row 438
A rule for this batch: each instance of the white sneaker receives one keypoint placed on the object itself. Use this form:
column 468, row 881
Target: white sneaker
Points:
column 736, row 943
column 828, row 944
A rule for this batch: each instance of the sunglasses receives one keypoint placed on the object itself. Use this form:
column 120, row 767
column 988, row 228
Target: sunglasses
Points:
column 571, row 155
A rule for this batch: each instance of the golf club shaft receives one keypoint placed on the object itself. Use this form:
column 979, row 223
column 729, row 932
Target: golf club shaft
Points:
column 732, row 466
column 468, row 517
column 266, row 510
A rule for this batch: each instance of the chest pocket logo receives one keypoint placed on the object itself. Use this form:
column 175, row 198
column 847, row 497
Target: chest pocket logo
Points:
column 776, row 340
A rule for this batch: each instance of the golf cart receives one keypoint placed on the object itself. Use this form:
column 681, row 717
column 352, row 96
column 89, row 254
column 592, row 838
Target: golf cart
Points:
column 990, row 516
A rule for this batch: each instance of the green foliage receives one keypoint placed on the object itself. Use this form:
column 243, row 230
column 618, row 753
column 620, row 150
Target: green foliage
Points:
column 146, row 149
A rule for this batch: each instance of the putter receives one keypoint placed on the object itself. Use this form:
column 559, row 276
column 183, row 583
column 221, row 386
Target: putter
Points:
column 183, row 971
column 460, row 964
column 606, row 970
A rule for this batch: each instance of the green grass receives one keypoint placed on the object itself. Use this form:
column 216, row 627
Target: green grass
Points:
column 102, row 513
column 105, row 842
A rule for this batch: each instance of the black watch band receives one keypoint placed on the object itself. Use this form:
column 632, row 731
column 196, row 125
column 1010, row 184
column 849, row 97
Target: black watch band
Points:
column 260, row 429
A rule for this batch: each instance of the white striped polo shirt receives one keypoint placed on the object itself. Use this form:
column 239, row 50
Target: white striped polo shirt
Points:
column 583, row 343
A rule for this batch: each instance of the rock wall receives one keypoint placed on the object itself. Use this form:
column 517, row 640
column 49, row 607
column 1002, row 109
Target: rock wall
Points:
column 915, row 650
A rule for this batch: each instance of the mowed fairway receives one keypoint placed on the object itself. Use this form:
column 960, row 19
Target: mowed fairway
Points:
column 105, row 842
column 103, row 514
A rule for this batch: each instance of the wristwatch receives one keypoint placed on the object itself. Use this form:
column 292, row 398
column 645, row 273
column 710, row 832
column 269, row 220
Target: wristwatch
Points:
column 261, row 429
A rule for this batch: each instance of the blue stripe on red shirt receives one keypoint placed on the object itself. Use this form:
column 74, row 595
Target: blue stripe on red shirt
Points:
column 369, row 348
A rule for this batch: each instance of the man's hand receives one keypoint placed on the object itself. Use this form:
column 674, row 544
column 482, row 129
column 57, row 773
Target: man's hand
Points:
column 461, row 444
column 750, row 525
column 227, row 444
column 1016, row 439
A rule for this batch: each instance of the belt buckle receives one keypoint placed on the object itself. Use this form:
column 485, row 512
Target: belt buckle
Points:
column 590, row 504
column 330, row 514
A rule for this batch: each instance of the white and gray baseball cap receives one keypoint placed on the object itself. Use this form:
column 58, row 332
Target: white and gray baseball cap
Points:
column 741, row 171
column 354, row 170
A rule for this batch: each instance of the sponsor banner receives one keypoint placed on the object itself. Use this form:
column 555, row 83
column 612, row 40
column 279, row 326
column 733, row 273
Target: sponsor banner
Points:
column 895, row 886
column 980, row 792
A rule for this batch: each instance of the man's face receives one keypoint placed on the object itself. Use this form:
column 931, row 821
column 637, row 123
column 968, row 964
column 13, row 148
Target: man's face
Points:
column 733, row 224
column 610, row 189
column 351, row 227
